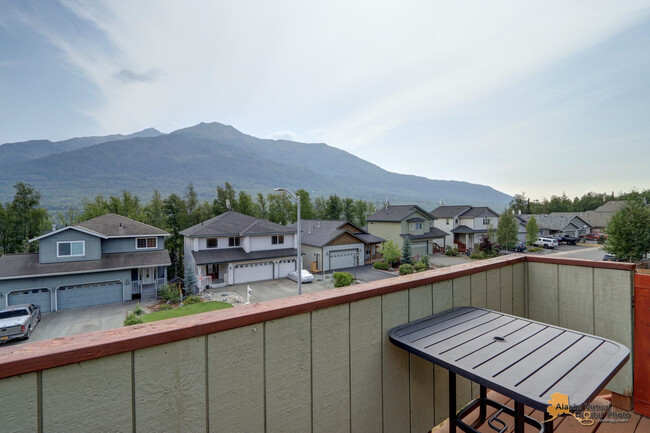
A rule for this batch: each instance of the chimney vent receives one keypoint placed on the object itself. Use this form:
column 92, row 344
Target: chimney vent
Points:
column 53, row 227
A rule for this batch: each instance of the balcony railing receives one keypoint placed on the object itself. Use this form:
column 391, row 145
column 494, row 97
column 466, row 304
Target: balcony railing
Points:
column 317, row 362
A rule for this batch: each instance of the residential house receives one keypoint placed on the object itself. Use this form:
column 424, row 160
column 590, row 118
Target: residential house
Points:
column 408, row 221
column 465, row 225
column 103, row 260
column 560, row 223
column 330, row 245
column 599, row 217
column 234, row 248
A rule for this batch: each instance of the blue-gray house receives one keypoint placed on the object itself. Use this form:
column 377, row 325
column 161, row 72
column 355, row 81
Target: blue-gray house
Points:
column 103, row 260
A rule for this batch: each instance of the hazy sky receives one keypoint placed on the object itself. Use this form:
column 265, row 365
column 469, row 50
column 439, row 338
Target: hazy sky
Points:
column 540, row 97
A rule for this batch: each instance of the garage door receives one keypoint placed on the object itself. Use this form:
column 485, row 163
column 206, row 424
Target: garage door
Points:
column 343, row 259
column 286, row 266
column 88, row 295
column 253, row 272
column 419, row 248
column 41, row 297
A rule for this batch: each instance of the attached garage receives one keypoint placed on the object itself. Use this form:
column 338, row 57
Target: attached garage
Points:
column 245, row 273
column 419, row 248
column 286, row 266
column 343, row 259
column 88, row 295
column 41, row 297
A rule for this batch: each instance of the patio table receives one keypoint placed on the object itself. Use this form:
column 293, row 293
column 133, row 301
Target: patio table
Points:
column 525, row 360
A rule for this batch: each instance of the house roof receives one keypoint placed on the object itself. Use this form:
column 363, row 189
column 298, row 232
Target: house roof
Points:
column 28, row 266
column 449, row 211
column 462, row 229
column 111, row 225
column 319, row 233
column 233, row 223
column 229, row 255
column 611, row 206
column 480, row 211
column 555, row 220
column 601, row 216
column 433, row 233
column 397, row 213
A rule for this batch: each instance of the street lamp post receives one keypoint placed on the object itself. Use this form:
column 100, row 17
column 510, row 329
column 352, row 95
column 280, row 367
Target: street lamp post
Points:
column 299, row 263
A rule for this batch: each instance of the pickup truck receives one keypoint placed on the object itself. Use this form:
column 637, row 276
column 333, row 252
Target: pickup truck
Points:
column 568, row 240
column 18, row 321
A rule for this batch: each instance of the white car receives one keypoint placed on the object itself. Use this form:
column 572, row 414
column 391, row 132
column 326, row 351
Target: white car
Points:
column 306, row 276
column 546, row 242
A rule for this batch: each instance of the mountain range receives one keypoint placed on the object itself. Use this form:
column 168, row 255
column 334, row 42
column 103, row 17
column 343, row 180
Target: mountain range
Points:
column 210, row 154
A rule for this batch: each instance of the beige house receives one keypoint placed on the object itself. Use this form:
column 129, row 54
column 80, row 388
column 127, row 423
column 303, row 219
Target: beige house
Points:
column 408, row 221
column 466, row 225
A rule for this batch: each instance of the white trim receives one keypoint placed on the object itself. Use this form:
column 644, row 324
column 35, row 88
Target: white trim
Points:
column 79, row 272
column 83, row 249
column 83, row 230
column 137, row 236
column 146, row 238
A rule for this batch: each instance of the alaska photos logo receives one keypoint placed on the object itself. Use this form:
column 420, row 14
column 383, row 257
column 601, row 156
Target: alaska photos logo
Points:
column 586, row 414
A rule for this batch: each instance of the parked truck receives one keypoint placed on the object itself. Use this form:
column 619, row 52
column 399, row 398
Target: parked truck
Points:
column 569, row 240
column 18, row 321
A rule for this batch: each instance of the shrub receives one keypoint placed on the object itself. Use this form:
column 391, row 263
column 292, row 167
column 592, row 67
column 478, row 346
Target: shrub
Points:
column 426, row 261
column 342, row 279
column 137, row 310
column 533, row 249
column 380, row 265
column 192, row 299
column 163, row 307
column 601, row 240
column 170, row 294
column 419, row 267
column 132, row 319
column 405, row 269
column 451, row 251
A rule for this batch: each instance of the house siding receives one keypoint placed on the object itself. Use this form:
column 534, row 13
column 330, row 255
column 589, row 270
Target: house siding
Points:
column 263, row 243
column 309, row 256
column 386, row 230
column 54, row 282
column 127, row 245
column 48, row 247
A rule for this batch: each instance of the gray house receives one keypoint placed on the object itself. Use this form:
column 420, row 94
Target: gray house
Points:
column 561, row 223
column 103, row 260
column 466, row 225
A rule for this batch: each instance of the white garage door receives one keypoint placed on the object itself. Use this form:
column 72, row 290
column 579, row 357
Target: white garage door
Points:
column 40, row 297
column 253, row 272
column 342, row 259
column 88, row 295
column 419, row 248
column 286, row 266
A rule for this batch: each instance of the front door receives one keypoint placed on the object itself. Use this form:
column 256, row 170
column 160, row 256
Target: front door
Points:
column 213, row 271
column 147, row 275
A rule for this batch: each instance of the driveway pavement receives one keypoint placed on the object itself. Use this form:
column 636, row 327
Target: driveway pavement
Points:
column 78, row 321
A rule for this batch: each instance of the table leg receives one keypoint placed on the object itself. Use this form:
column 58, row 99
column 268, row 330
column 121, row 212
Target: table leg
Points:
column 483, row 406
column 548, row 425
column 519, row 417
column 452, row 402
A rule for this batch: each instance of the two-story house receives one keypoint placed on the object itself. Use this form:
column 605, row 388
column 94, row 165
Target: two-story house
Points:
column 103, row 260
column 330, row 245
column 465, row 224
column 234, row 248
column 408, row 221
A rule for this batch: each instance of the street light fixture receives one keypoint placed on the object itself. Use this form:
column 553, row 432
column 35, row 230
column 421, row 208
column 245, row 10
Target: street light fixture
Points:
column 299, row 263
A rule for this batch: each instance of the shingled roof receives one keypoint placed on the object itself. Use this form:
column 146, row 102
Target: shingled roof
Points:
column 233, row 223
column 319, row 233
column 397, row 213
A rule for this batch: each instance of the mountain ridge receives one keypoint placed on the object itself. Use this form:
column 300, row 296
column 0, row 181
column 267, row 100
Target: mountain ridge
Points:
column 210, row 154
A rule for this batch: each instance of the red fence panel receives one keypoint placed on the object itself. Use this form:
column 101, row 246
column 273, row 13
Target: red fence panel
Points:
column 642, row 344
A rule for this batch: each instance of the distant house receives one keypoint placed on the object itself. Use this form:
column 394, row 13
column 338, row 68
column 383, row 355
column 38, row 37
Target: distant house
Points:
column 599, row 217
column 560, row 223
column 103, row 260
column 330, row 245
column 408, row 221
column 234, row 248
column 465, row 224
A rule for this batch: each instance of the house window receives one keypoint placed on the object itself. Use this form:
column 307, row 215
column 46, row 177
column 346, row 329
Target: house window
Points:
column 447, row 221
column 211, row 243
column 70, row 249
column 144, row 243
column 415, row 226
column 233, row 241
column 275, row 240
column 486, row 221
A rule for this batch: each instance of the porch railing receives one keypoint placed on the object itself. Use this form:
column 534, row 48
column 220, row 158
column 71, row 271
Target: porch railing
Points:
column 159, row 283
column 374, row 257
column 205, row 281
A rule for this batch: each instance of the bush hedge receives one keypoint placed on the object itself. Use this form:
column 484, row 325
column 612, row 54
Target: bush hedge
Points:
column 380, row 265
column 405, row 269
column 342, row 279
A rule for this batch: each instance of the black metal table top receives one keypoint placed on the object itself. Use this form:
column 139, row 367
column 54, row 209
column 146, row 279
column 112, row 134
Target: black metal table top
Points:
column 525, row 360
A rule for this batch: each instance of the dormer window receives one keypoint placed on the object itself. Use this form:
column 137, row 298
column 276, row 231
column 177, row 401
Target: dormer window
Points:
column 146, row 243
column 70, row 249
column 275, row 240
column 233, row 241
column 211, row 243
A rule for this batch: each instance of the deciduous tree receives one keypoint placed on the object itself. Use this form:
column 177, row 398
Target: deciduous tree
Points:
column 628, row 232
column 507, row 230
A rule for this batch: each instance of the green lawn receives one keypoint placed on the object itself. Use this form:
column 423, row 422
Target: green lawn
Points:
column 185, row 310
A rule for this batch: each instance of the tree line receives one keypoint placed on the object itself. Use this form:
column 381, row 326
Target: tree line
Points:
column 562, row 203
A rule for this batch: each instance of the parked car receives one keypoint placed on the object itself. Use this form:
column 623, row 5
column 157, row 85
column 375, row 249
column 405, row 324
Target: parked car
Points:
column 520, row 247
column 307, row 277
column 611, row 258
column 18, row 321
column 595, row 236
column 545, row 242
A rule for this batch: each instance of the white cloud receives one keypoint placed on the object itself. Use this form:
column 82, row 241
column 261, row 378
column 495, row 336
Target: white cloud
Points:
column 284, row 135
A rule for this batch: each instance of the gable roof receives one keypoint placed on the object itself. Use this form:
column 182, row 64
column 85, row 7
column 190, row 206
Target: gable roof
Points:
column 320, row 233
column 611, row 206
column 433, row 233
column 233, row 223
column 555, row 220
column 480, row 211
column 397, row 213
column 110, row 225
column 450, row 211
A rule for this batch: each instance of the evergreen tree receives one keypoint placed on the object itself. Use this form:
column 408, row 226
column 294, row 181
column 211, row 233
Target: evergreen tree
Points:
column 175, row 220
column 407, row 251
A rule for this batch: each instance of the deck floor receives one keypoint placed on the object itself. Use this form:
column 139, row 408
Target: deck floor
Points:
column 563, row 424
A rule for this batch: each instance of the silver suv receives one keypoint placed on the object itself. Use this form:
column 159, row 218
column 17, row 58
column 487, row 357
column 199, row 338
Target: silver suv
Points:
column 545, row 242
